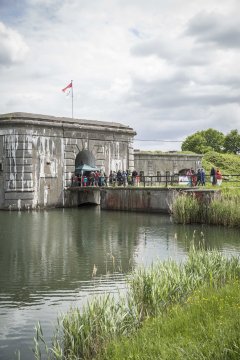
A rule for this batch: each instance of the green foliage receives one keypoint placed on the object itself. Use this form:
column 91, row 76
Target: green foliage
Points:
column 228, row 163
column 232, row 142
column 204, row 141
column 206, row 327
column 152, row 292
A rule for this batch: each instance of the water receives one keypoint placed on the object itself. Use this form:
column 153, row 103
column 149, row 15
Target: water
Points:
column 47, row 260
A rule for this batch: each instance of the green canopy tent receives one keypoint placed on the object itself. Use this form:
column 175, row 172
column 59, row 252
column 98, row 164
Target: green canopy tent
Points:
column 85, row 167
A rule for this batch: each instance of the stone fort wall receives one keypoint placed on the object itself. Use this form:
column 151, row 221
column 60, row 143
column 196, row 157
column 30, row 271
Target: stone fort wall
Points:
column 150, row 163
column 37, row 156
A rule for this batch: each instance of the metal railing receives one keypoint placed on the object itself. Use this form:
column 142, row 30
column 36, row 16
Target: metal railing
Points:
column 159, row 180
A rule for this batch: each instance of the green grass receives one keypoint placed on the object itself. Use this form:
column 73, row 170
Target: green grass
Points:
column 152, row 292
column 225, row 210
column 207, row 326
column 227, row 163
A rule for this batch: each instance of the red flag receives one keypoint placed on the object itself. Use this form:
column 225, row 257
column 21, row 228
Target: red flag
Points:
column 67, row 87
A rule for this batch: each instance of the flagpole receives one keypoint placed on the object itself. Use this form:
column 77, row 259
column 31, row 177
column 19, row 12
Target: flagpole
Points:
column 72, row 97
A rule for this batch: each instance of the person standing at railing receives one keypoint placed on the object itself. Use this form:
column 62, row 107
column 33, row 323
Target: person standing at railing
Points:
column 203, row 176
column 189, row 175
column 134, row 175
column 213, row 176
column 219, row 177
column 199, row 182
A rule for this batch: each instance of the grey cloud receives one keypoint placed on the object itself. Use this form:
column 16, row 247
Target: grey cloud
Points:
column 175, row 51
column 176, row 92
column 215, row 28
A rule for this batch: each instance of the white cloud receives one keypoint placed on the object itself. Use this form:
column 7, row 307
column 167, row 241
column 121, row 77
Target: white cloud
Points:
column 13, row 48
column 166, row 68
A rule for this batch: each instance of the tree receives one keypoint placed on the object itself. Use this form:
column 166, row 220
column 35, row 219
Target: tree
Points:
column 232, row 142
column 204, row 141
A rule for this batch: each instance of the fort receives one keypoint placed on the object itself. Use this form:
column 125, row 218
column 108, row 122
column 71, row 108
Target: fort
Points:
column 39, row 155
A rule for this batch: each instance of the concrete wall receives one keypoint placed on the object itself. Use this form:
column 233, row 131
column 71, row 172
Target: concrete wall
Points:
column 1, row 172
column 38, row 156
column 148, row 200
column 154, row 163
column 75, row 197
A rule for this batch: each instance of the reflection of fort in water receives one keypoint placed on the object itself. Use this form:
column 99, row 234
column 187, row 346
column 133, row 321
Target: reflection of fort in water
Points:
column 57, row 250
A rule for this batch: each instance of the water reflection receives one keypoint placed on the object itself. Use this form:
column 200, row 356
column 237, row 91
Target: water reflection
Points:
column 47, row 261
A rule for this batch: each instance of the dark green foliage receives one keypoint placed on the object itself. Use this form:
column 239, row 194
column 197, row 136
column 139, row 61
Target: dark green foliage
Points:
column 232, row 142
column 204, row 141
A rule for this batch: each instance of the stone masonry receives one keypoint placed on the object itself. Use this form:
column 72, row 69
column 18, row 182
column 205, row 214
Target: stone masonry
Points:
column 38, row 155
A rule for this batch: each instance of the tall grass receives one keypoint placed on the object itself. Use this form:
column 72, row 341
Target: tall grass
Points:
column 205, row 327
column 225, row 211
column 187, row 208
column 151, row 291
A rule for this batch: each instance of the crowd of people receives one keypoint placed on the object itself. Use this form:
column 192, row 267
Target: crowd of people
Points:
column 198, row 178
column 125, row 178
column 99, row 178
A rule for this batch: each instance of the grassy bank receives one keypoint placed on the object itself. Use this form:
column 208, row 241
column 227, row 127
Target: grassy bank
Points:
column 152, row 293
column 223, row 211
column 228, row 163
column 206, row 326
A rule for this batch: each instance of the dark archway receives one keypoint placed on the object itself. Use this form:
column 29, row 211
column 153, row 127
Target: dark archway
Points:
column 183, row 172
column 85, row 157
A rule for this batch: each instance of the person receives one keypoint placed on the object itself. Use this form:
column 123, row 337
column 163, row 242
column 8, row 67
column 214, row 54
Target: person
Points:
column 91, row 178
column 189, row 175
column 134, row 175
column 213, row 176
column 199, row 182
column 219, row 177
column 119, row 178
column 110, row 178
column 124, row 176
column 85, row 180
column 96, row 178
column 202, row 177
column 194, row 177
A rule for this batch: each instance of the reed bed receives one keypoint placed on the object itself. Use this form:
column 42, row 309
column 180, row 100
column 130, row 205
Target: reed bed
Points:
column 151, row 292
column 224, row 211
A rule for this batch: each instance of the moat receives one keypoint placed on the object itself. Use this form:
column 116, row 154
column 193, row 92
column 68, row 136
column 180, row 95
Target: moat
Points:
column 47, row 260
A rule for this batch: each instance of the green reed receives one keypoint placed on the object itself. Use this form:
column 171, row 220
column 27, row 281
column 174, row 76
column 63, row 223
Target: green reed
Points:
column 82, row 334
column 187, row 208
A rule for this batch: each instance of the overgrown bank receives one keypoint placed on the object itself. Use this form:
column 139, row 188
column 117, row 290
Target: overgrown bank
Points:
column 152, row 293
column 225, row 210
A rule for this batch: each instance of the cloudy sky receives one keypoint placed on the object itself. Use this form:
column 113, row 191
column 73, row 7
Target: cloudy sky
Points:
column 167, row 68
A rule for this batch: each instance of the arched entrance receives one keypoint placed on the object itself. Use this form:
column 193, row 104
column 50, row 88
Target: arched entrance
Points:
column 85, row 157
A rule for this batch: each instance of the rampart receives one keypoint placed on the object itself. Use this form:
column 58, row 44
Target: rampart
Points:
column 39, row 153
column 155, row 163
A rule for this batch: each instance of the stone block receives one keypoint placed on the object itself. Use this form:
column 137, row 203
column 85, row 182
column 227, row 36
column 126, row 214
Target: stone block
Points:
column 18, row 169
column 16, row 195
